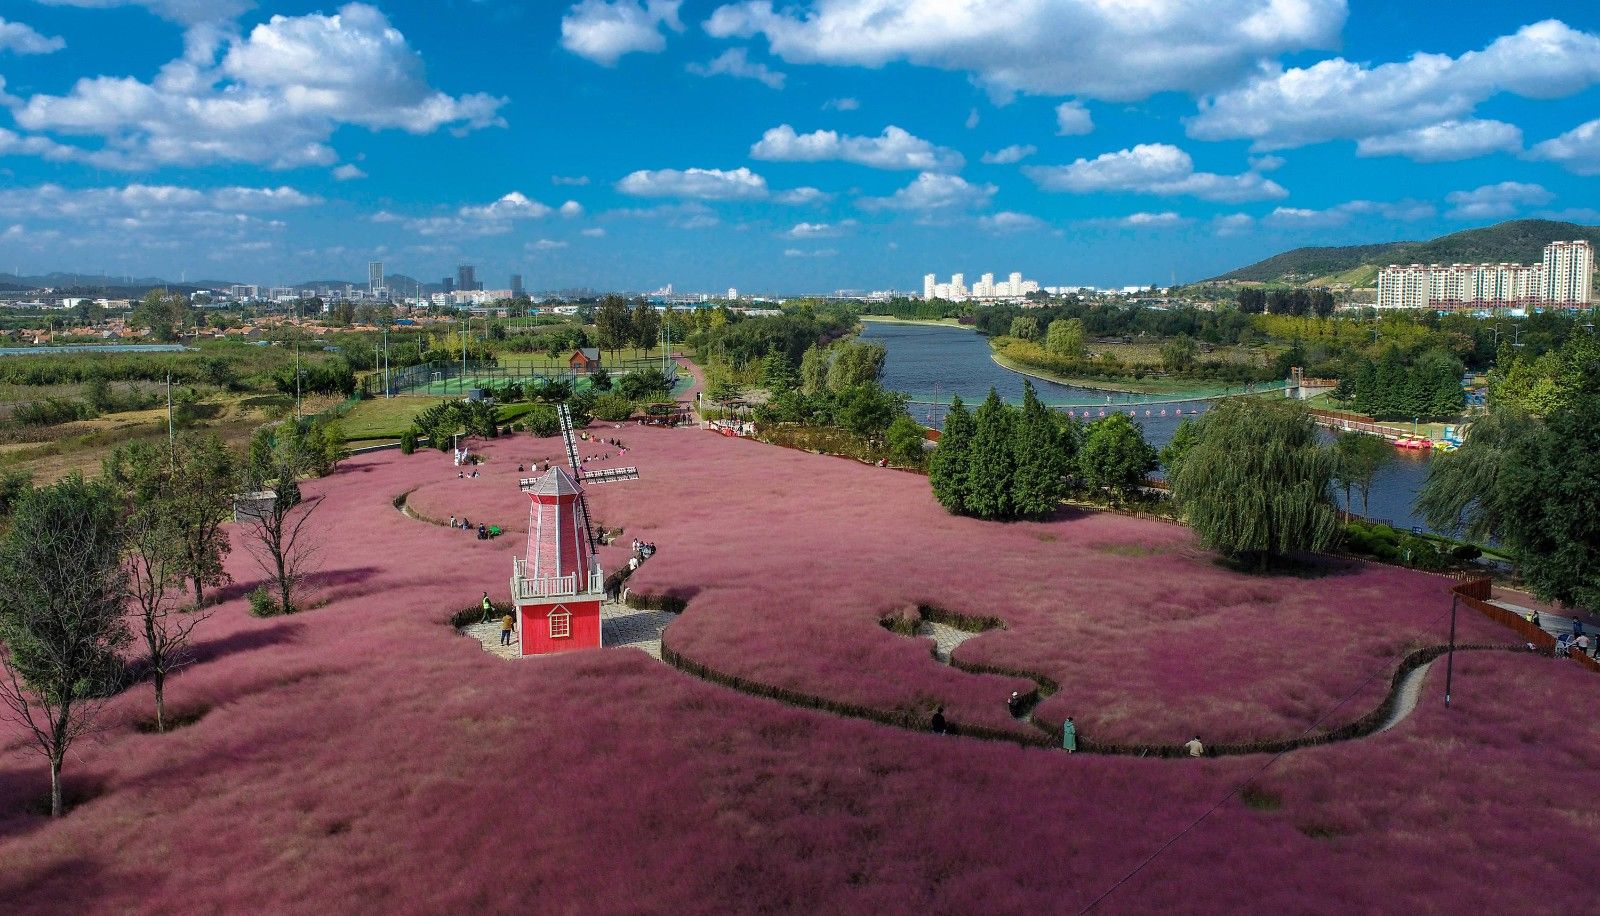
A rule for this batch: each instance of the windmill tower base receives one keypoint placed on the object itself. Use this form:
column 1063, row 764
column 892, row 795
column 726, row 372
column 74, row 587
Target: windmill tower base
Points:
column 566, row 625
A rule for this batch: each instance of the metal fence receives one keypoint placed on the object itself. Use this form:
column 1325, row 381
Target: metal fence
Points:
column 451, row 379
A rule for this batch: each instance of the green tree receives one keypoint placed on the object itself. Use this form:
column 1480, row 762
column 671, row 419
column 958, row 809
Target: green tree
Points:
column 613, row 324
column 778, row 373
column 1044, row 458
column 1115, row 456
column 947, row 470
column 855, row 364
column 1178, row 354
column 1183, row 440
column 1065, row 338
column 904, row 438
column 190, row 486
column 1025, row 327
column 814, row 370
column 1358, row 458
column 274, row 525
column 153, row 314
column 868, row 410
column 992, row 465
column 1553, row 485
column 1466, row 490
column 1257, row 485
column 646, row 325
column 62, row 624
column 600, row 380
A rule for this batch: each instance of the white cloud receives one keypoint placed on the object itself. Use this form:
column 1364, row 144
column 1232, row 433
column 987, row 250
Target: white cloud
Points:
column 1088, row 48
column 150, row 202
column 605, row 30
column 571, row 208
column 22, row 39
column 1009, row 155
column 1233, row 223
column 1578, row 149
column 802, row 196
column 1339, row 215
column 348, row 172
column 842, row 104
column 893, row 149
column 274, row 98
column 735, row 62
column 512, row 206
column 572, row 180
column 702, row 184
column 1338, row 99
column 1267, row 163
column 187, row 12
column 1447, row 141
column 1153, row 168
column 820, row 230
column 1496, row 201
column 934, row 191
column 546, row 245
column 1143, row 220
column 1007, row 221
column 972, row 119
column 815, row 253
column 1073, row 120
column 594, row 232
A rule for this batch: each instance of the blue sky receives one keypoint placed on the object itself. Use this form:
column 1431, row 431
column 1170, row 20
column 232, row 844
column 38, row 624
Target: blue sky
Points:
column 783, row 147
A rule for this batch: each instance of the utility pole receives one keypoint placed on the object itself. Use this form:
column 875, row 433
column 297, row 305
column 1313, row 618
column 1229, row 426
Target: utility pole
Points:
column 387, row 392
column 1450, row 663
column 171, row 439
column 297, row 361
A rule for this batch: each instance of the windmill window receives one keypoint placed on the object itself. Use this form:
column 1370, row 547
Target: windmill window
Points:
column 560, row 623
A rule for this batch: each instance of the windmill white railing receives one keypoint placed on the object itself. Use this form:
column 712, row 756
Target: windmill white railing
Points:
column 525, row 587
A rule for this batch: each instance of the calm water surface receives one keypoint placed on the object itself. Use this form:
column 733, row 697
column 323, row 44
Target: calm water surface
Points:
column 933, row 363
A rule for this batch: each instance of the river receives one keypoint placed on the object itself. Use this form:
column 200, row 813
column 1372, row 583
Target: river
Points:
column 941, row 361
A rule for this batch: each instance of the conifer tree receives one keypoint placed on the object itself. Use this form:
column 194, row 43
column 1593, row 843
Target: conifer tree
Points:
column 947, row 470
column 1042, row 458
column 993, row 464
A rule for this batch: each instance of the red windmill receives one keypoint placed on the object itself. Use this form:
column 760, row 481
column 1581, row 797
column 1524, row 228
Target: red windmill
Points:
column 557, row 585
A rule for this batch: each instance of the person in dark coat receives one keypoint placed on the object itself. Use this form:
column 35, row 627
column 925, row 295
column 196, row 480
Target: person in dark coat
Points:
column 938, row 724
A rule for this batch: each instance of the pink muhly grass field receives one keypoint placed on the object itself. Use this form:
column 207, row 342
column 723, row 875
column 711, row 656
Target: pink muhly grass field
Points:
column 361, row 756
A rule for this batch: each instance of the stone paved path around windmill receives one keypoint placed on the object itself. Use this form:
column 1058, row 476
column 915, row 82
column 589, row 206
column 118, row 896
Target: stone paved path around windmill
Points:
column 620, row 625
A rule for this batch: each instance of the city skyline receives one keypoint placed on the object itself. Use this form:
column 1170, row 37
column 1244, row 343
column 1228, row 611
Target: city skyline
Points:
column 791, row 149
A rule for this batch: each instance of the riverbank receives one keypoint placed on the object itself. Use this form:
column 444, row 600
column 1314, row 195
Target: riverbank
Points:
column 1178, row 389
column 926, row 322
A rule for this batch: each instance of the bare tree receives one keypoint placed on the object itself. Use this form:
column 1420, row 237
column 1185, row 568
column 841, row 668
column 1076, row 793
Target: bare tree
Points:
column 274, row 526
column 62, row 615
column 155, row 568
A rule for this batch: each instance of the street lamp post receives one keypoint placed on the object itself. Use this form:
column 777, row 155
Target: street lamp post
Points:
column 1450, row 661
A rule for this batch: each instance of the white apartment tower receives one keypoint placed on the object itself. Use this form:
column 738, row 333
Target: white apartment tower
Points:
column 374, row 276
column 1568, row 267
column 929, row 282
column 1563, row 279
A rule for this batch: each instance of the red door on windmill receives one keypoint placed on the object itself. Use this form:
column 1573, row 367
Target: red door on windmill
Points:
column 557, row 586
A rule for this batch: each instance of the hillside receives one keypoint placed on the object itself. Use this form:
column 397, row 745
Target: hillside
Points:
column 1520, row 241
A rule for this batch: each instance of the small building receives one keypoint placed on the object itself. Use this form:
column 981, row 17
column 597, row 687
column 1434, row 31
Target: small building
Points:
column 557, row 586
column 585, row 359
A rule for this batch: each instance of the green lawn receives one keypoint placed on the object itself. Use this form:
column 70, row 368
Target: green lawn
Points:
column 384, row 418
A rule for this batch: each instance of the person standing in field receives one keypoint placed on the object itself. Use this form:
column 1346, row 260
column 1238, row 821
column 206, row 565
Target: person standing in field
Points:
column 1194, row 747
column 1069, row 736
column 938, row 724
column 488, row 608
column 508, row 624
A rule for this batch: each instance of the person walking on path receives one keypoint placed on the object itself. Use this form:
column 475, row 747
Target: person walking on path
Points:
column 938, row 724
column 1583, row 644
column 1069, row 736
column 1194, row 747
column 1014, row 704
column 507, row 625
column 488, row 608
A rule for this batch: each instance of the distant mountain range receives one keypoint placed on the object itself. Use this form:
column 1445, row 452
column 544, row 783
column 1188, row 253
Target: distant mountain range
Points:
column 1519, row 241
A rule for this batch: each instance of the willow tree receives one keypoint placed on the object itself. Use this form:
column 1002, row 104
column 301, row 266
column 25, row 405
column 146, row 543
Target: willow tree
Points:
column 1465, row 489
column 1258, row 485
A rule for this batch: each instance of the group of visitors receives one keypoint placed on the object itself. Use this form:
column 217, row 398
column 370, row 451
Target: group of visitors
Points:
column 642, row 551
column 463, row 475
column 484, row 533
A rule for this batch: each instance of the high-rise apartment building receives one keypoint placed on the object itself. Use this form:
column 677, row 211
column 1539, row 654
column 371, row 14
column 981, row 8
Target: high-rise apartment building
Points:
column 985, row 288
column 467, row 278
column 448, row 284
column 1562, row 279
column 374, row 277
column 516, row 286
